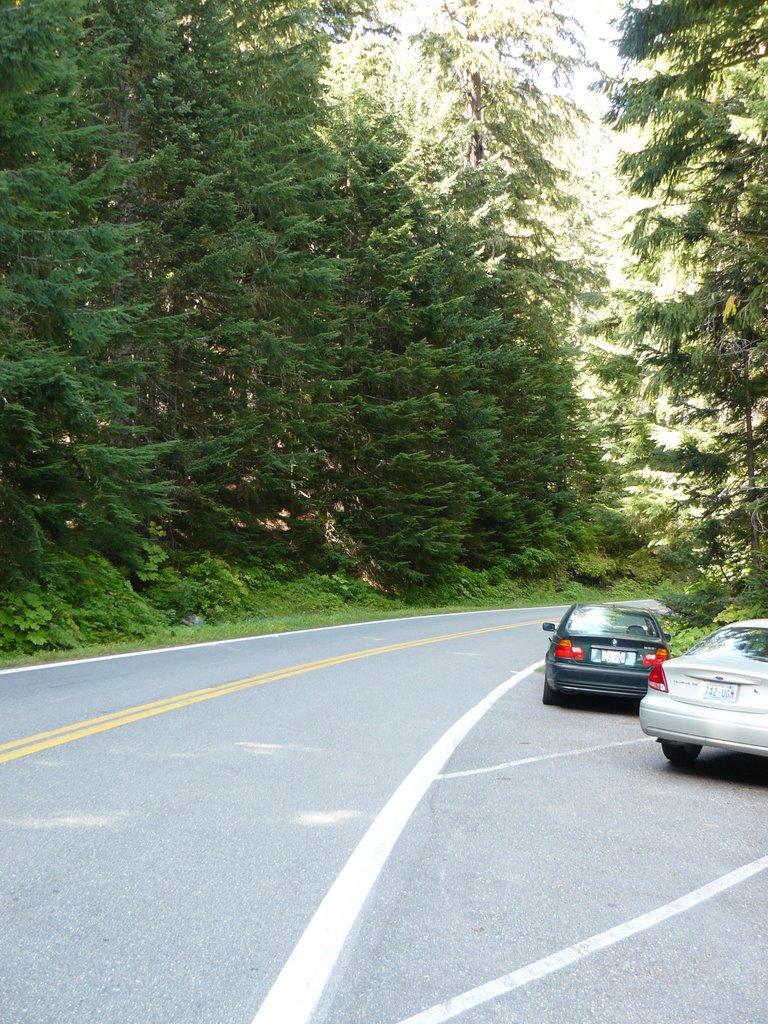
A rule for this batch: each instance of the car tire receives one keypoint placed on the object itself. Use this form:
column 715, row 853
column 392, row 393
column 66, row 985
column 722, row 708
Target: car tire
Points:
column 550, row 695
column 680, row 753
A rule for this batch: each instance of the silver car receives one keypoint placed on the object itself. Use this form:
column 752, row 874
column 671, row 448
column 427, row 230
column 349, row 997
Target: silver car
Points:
column 715, row 695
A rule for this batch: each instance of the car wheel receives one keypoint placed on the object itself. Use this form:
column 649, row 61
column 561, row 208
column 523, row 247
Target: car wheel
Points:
column 550, row 694
column 680, row 753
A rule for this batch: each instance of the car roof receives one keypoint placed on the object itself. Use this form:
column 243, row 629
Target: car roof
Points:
column 760, row 623
column 620, row 607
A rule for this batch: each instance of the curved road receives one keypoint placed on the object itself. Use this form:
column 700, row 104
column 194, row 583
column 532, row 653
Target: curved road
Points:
column 374, row 824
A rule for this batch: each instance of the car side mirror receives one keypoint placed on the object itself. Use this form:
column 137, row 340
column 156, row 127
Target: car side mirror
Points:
column 667, row 637
column 548, row 627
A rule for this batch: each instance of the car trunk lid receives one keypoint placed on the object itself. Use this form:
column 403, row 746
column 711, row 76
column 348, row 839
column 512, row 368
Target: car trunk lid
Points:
column 619, row 651
column 719, row 685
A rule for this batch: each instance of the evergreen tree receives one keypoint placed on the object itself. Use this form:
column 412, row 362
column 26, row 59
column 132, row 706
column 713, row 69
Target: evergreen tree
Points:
column 501, row 296
column 334, row 314
column 72, row 472
column 414, row 436
column 512, row 200
column 699, row 337
column 218, row 104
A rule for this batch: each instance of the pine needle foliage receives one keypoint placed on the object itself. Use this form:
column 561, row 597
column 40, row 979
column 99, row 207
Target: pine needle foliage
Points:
column 72, row 470
column 700, row 335
column 280, row 288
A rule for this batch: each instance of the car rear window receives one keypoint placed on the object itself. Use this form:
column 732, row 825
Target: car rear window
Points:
column 608, row 621
column 747, row 641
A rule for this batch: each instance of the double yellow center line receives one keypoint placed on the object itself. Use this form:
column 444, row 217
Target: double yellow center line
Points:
column 16, row 749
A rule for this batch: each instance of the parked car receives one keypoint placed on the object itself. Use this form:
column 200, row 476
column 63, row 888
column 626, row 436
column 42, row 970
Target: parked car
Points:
column 715, row 695
column 602, row 648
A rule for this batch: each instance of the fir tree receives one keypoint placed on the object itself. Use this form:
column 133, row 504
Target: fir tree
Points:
column 489, row 297
column 700, row 344
column 511, row 200
column 219, row 105
column 71, row 471
column 414, row 436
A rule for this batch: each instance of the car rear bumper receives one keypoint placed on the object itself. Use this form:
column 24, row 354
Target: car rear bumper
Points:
column 662, row 717
column 571, row 677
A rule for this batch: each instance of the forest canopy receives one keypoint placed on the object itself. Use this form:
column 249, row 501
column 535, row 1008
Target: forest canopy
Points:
column 311, row 287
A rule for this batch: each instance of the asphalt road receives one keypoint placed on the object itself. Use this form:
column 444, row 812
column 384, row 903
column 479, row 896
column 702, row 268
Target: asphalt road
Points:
column 178, row 837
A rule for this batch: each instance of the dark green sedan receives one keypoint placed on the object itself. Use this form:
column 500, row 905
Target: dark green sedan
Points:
column 602, row 648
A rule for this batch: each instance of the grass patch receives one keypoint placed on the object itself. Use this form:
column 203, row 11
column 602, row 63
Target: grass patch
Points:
column 287, row 619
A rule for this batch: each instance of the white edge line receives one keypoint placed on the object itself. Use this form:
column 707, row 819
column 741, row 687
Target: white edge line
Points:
column 300, row 984
column 265, row 636
column 549, row 964
column 542, row 757
column 290, row 632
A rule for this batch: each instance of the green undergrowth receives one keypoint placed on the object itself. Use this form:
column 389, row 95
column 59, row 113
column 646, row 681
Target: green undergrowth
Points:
column 704, row 605
column 88, row 607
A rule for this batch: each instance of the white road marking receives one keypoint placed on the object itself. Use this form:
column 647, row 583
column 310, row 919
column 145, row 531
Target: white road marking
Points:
column 261, row 748
column 67, row 821
column 273, row 748
column 263, row 636
column 301, row 983
column 543, row 757
column 571, row 954
column 327, row 817
column 294, row 632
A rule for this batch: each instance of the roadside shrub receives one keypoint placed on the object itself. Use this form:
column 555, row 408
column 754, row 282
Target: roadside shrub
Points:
column 205, row 586
column 684, row 638
column 114, row 615
column 647, row 567
column 754, row 595
column 102, row 605
column 35, row 620
column 698, row 605
column 456, row 585
column 592, row 568
column 218, row 591
column 317, row 592
column 569, row 592
column 82, row 601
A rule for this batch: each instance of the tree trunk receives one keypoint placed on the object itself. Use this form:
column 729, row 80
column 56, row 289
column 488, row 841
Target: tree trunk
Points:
column 475, row 152
column 752, row 491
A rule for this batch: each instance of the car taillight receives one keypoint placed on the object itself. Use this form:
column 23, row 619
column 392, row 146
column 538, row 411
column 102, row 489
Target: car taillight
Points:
column 566, row 649
column 655, row 659
column 656, row 679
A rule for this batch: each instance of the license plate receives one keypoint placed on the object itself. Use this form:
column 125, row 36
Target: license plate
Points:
column 721, row 691
column 608, row 657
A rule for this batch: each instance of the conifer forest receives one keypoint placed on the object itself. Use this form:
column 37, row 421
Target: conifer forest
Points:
column 319, row 296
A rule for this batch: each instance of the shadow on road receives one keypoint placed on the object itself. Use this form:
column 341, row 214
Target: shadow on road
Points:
column 601, row 705
column 723, row 766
